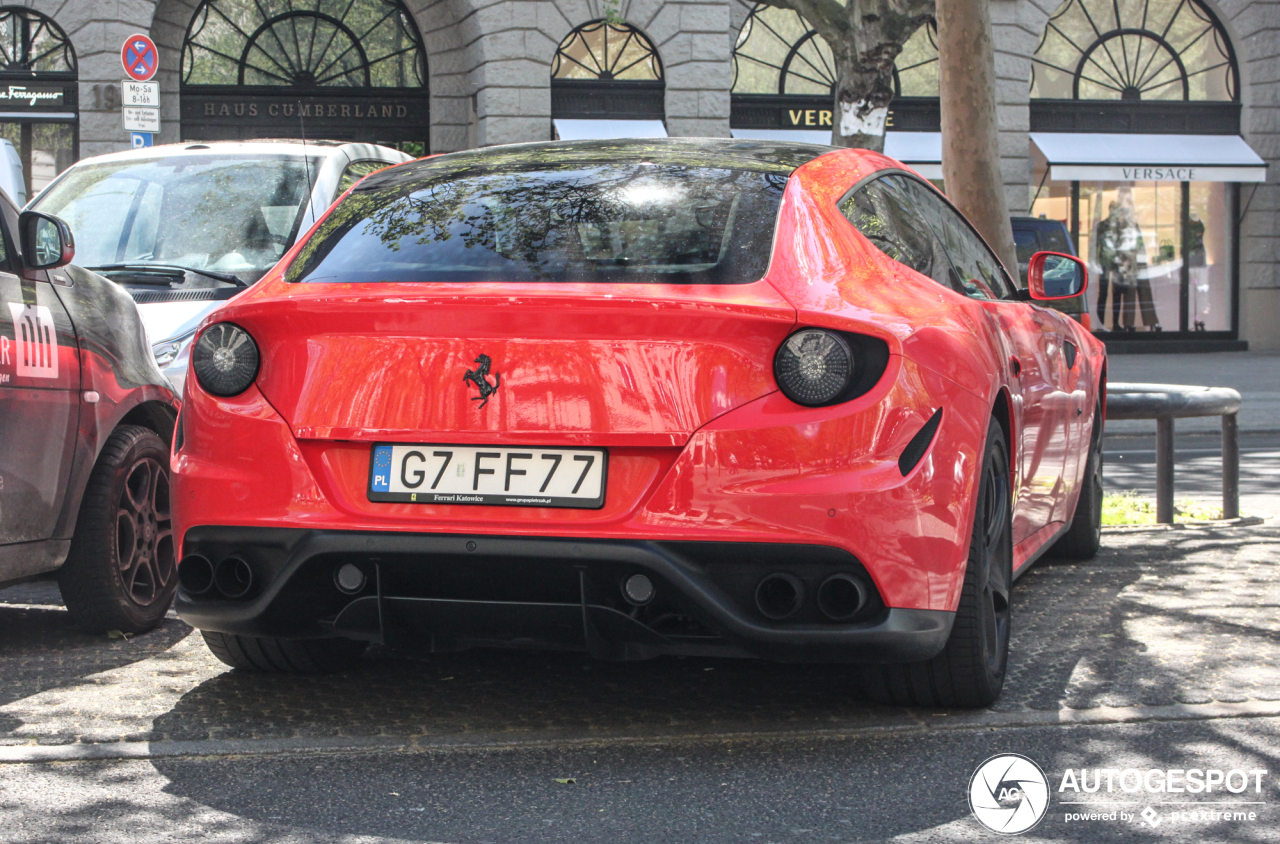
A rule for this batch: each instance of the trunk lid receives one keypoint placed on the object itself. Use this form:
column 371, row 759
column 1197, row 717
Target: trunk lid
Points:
column 600, row 364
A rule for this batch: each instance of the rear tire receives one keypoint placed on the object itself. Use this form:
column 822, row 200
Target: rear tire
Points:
column 284, row 656
column 1083, row 539
column 970, row 670
column 120, row 572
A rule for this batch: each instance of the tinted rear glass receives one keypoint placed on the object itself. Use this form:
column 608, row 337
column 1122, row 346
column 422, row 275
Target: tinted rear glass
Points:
column 601, row 221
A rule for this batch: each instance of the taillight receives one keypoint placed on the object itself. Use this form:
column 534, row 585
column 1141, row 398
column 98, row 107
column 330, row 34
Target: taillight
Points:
column 814, row 367
column 225, row 359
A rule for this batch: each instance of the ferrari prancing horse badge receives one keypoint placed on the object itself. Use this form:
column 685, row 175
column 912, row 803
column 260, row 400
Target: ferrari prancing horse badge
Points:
column 480, row 377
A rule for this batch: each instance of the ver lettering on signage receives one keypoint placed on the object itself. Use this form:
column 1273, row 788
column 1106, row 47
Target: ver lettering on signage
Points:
column 1159, row 174
column 810, row 116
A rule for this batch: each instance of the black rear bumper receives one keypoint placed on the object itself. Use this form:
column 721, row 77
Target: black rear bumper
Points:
column 453, row 591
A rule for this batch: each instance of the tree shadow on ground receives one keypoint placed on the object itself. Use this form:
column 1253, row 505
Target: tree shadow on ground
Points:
column 1156, row 619
column 904, row 787
column 40, row 649
column 1083, row 637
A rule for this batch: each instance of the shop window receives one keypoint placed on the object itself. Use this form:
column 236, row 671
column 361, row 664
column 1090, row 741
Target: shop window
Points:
column 251, row 69
column 1147, row 50
column 372, row 43
column 607, row 51
column 38, row 112
column 607, row 71
column 1159, row 253
column 779, row 53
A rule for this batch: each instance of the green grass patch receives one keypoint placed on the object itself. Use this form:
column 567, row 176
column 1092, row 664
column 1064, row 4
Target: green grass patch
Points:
column 1126, row 508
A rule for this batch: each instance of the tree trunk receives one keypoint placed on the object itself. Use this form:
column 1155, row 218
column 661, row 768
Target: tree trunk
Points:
column 863, row 93
column 970, row 144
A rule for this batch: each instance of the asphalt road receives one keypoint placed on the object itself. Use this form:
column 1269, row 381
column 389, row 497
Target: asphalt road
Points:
column 1164, row 652
column 899, row 786
column 1130, row 465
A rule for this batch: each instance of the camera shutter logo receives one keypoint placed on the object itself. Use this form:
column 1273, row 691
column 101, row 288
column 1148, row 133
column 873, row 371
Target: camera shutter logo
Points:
column 36, row 352
column 1009, row 794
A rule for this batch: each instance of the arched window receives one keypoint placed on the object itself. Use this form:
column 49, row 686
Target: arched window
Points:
column 263, row 68
column 40, row 99
column 30, row 43
column 778, row 53
column 365, row 43
column 607, row 51
column 604, row 70
column 1144, row 50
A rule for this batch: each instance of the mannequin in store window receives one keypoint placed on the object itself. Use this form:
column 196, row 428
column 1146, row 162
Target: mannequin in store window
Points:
column 1196, row 261
column 1122, row 254
column 1104, row 236
column 1131, row 244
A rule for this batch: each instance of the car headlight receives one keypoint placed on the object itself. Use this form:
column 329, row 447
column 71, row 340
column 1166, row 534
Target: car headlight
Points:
column 814, row 367
column 225, row 359
column 166, row 351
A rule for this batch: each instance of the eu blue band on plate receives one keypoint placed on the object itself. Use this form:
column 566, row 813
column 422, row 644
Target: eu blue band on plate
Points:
column 381, row 468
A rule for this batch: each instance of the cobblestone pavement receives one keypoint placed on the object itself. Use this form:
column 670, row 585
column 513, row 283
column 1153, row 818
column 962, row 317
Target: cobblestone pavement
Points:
column 1160, row 618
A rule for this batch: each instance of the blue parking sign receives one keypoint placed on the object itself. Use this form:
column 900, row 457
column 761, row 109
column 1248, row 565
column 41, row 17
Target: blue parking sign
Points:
column 139, row 140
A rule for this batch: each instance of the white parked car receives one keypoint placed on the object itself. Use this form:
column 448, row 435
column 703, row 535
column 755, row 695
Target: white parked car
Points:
column 185, row 227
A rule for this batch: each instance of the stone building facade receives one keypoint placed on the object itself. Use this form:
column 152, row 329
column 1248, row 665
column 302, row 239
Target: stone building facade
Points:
column 486, row 69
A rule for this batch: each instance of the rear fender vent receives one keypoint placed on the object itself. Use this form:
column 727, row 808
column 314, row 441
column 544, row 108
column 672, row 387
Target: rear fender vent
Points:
column 919, row 444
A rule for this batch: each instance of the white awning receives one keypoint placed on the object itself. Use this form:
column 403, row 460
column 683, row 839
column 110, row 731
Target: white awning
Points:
column 604, row 130
column 1079, row 157
column 921, row 151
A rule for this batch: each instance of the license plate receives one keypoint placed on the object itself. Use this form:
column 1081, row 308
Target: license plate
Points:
column 518, row 476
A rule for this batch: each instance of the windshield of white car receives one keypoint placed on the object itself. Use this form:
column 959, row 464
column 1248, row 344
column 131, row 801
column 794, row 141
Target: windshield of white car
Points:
column 225, row 213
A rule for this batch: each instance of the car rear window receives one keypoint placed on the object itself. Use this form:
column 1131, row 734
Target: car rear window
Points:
column 600, row 221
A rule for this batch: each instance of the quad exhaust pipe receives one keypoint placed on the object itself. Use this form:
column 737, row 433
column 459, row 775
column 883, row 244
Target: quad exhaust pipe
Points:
column 840, row 597
column 232, row 578
column 779, row 596
column 195, row 575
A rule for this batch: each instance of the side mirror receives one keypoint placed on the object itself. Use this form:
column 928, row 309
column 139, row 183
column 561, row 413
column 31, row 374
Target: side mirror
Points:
column 1052, row 275
column 46, row 241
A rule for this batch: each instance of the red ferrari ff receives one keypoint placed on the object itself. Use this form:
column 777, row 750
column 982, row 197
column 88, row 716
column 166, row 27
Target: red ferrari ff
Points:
column 634, row 398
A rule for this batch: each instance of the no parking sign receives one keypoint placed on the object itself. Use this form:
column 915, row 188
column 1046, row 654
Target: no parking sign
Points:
column 140, row 58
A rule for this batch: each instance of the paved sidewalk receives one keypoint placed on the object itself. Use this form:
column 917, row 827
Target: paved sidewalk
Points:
column 1255, row 374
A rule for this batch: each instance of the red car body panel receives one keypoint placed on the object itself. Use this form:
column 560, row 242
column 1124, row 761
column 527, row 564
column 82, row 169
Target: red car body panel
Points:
column 677, row 382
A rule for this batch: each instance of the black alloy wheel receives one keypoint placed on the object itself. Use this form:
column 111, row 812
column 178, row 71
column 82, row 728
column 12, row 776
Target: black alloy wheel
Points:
column 1083, row 539
column 970, row 670
column 120, row 573
column 144, row 532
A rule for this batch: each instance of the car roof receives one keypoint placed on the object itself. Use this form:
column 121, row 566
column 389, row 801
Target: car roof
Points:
column 263, row 146
column 761, row 156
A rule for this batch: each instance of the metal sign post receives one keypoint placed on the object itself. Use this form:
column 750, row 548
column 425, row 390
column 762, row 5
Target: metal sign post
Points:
column 140, row 97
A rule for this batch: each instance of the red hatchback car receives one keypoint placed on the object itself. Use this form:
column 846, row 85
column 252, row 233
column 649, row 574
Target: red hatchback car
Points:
column 638, row 398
